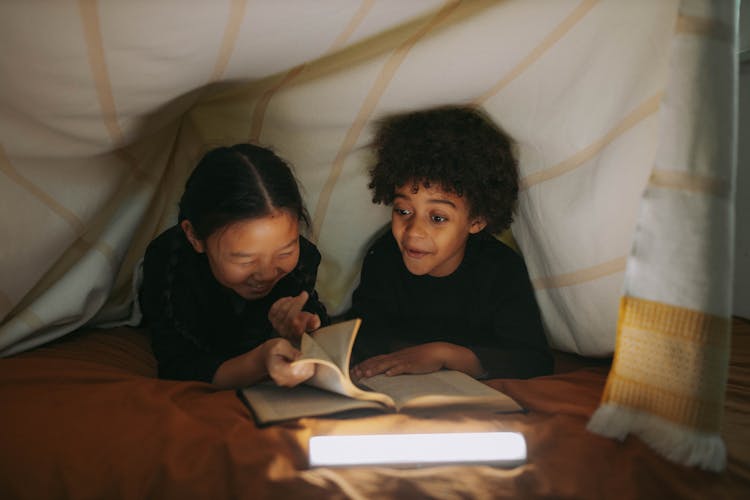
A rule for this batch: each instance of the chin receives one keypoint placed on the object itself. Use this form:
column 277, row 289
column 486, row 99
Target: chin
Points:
column 416, row 271
column 252, row 295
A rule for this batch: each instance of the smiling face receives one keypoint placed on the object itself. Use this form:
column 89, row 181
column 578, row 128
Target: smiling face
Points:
column 431, row 227
column 251, row 256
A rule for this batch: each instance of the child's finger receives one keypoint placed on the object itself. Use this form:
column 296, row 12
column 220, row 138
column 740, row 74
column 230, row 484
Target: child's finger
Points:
column 311, row 322
column 303, row 371
column 375, row 365
column 278, row 309
column 286, row 318
column 295, row 306
column 397, row 369
column 285, row 307
column 283, row 351
column 291, row 374
column 281, row 367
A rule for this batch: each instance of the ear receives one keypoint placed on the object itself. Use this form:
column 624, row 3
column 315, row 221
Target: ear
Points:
column 477, row 225
column 187, row 228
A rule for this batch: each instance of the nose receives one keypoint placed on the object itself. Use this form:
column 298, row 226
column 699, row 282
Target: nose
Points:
column 264, row 273
column 414, row 228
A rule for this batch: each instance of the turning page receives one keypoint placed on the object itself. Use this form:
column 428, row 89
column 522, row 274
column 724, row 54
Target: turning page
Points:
column 330, row 348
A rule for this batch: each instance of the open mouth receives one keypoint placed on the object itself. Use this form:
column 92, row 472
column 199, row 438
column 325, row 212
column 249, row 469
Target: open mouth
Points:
column 413, row 253
column 259, row 288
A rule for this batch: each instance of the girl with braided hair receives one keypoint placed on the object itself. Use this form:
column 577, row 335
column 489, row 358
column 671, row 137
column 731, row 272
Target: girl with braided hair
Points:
column 229, row 289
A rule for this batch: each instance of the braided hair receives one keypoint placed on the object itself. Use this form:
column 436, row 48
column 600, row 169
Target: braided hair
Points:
column 228, row 185
column 243, row 181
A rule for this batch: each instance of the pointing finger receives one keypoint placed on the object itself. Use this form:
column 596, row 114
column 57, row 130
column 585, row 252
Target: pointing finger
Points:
column 295, row 307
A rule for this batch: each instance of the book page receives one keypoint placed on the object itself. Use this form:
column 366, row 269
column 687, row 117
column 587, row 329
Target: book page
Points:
column 271, row 403
column 329, row 348
column 441, row 388
column 330, row 378
column 310, row 350
column 336, row 341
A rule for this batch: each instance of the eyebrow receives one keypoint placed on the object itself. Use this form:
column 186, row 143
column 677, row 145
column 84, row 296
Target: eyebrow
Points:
column 430, row 200
column 244, row 255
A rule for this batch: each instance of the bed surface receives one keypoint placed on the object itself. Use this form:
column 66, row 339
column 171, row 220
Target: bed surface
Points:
column 85, row 417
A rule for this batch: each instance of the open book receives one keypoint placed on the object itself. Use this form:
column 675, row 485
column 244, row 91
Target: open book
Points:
column 331, row 390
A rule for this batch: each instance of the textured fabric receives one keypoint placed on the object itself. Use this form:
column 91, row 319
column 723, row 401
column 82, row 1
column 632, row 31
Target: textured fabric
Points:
column 670, row 367
column 86, row 418
column 96, row 149
column 651, row 333
column 623, row 112
column 487, row 305
column 668, row 363
column 205, row 323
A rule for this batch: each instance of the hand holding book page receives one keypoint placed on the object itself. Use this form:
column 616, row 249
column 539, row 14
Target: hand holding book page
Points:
column 330, row 350
column 331, row 390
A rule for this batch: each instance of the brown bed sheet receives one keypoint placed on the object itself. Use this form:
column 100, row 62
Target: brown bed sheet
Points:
column 85, row 417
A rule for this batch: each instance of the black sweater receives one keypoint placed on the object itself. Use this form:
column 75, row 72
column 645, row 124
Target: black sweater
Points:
column 487, row 305
column 196, row 323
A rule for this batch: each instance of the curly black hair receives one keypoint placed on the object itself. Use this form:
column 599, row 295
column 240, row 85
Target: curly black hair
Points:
column 457, row 148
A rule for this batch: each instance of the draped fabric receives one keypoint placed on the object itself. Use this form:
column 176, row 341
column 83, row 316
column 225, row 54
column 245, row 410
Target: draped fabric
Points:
column 623, row 114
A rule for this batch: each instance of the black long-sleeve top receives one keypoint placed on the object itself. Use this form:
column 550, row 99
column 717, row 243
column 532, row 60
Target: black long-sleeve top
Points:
column 195, row 322
column 486, row 305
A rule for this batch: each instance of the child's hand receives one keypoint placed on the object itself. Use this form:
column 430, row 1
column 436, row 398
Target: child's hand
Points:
column 288, row 318
column 423, row 358
column 279, row 354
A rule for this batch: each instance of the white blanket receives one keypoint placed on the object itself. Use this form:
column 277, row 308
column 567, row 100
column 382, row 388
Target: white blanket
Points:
column 623, row 113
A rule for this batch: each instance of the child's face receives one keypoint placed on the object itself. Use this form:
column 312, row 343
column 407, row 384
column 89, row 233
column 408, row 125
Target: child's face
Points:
column 431, row 227
column 251, row 256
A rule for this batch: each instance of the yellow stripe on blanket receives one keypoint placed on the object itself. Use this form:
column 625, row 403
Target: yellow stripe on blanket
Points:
column 669, row 362
column 667, row 382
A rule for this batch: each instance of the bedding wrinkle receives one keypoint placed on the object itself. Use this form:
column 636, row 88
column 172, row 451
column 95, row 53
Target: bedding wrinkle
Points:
column 232, row 30
column 580, row 276
column 167, row 175
column 90, row 420
column 56, row 207
column 86, row 237
column 549, row 41
column 347, row 489
column 123, row 348
column 261, row 106
column 351, row 27
column 642, row 112
column 5, row 305
column 367, row 108
column 29, row 317
column 259, row 112
column 197, row 446
column 148, row 177
column 98, row 62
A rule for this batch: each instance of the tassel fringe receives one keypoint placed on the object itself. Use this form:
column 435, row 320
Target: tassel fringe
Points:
column 675, row 442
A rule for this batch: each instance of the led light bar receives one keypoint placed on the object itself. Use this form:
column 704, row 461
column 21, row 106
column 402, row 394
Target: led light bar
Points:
column 507, row 449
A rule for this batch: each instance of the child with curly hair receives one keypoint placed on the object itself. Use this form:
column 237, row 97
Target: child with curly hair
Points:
column 439, row 291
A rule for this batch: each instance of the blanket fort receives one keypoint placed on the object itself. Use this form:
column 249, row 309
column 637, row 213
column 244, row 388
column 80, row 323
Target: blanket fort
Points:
column 623, row 113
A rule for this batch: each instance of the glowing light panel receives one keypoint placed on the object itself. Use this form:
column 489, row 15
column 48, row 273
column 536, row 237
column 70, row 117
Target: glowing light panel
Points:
column 495, row 448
